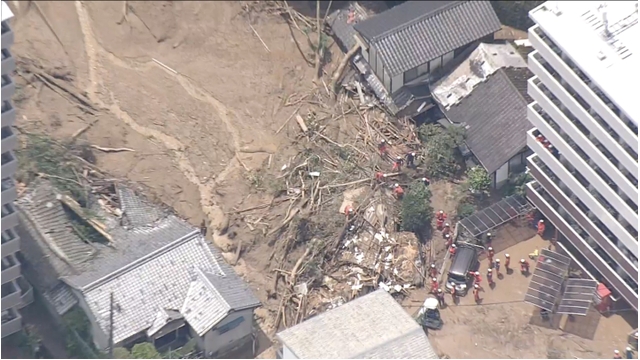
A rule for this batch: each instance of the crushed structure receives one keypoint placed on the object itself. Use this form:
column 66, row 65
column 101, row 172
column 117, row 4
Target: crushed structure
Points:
column 163, row 279
column 373, row 326
column 487, row 95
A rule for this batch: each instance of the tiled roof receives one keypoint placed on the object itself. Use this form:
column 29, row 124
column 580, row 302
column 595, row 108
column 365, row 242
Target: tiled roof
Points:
column 343, row 30
column 495, row 114
column 373, row 326
column 416, row 32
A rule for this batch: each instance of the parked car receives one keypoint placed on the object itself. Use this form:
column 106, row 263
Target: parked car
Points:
column 464, row 261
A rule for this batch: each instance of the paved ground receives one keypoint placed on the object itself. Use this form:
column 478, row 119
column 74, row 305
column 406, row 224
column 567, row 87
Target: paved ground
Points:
column 503, row 326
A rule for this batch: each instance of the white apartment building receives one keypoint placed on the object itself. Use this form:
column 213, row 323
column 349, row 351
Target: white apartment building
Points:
column 585, row 106
column 16, row 292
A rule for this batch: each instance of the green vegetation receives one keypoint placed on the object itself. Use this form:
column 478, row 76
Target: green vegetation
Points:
column 79, row 341
column 515, row 13
column 465, row 209
column 478, row 180
column 121, row 353
column 145, row 350
column 516, row 184
column 416, row 211
column 440, row 149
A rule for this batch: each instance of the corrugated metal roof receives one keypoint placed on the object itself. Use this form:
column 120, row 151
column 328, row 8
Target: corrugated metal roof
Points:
column 373, row 326
column 495, row 114
column 6, row 12
column 417, row 32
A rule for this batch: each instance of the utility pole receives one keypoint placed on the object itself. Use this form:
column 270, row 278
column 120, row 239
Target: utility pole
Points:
column 111, row 326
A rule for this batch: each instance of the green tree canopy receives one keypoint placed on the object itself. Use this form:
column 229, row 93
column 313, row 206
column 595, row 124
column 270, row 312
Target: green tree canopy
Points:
column 121, row 353
column 416, row 211
column 145, row 351
column 479, row 180
column 440, row 148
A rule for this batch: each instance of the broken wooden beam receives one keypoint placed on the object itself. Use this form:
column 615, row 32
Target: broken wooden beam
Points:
column 77, row 209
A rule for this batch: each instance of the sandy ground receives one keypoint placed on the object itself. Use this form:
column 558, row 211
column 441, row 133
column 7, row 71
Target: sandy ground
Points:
column 503, row 326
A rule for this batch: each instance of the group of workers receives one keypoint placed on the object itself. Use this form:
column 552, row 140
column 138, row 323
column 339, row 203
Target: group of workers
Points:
column 547, row 144
column 628, row 353
column 398, row 161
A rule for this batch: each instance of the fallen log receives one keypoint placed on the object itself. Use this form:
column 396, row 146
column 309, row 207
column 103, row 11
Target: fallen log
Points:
column 340, row 69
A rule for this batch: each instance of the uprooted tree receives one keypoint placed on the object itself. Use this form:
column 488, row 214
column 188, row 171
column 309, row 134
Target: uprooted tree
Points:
column 416, row 211
column 440, row 148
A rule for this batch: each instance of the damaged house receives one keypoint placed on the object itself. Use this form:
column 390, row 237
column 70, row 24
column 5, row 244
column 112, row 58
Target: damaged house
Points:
column 401, row 47
column 373, row 326
column 487, row 95
column 165, row 283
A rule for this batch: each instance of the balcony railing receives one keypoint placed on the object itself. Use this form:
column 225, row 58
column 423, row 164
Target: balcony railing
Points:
column 612, row 278
column 610, row 106
column 581, row 216
column 11, row 322
column 10, row 242
column 615, row 138
column 587, row 167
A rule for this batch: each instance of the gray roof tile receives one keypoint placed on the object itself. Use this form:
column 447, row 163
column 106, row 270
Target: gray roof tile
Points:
column 416, row 32
column 373, row 326
column 495, row 113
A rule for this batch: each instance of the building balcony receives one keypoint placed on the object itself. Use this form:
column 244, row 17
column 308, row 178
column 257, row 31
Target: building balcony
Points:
column 10, row 242
column 9, row 164
column 8, row 87
column 7, row 35
column 569, row 178
column 580, row 116
column 10, row 268
column 26, row 292
column 9, row 217
column 9, row 191
column 608, row 274
column 10, row 295
column 580, row 83
column 8, row 62
column 581, row 218
column 9, row 139
column 11, row 322
column 8, row 114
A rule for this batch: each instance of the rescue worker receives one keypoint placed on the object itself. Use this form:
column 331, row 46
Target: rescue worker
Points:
column 454, row 296
column 203, row 228
column 446, row 229
column 524, row 266
column 489, row 238
column 440, row 297
column 539, row 138
column 490, row 277
column 349, row 212
column 490, row 254
column 541, row 227
column 476, row 293
column 434, row 285
column 629, row 352
column 381, row 177
column 398, row 191
column 382, row 147
column 397, row 164
column 507, row 261
column 452, row 250
column 440, row 217
column 476, row 276
column 433, row 271
column 448, row 240
column 411, row 157
column 616, row 354
column 425, row 181
column 496, row 266
column 351, row 18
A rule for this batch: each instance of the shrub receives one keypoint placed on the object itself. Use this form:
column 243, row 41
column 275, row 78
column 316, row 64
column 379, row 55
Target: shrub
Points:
column 478, row 179
column 440, row 149
column 416, row 211
column 145, row 350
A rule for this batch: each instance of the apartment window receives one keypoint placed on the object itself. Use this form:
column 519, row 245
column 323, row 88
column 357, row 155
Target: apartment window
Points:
column 7, row 158
column 5, row 80
column 6, row 132
column 5, row 27
column 5, row 54
column 8, row 315
column 7, row 184
column 6, row 106
column 8, row 289
column 7, row 236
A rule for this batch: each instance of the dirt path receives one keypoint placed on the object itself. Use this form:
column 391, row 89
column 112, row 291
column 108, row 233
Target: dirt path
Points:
column 95, row 53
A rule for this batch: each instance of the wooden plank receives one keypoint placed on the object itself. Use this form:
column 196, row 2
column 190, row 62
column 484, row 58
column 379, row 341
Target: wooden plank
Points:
column 76, row 208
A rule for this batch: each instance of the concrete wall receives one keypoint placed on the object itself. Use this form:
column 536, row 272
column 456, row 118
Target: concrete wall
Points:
column 502, row 175
column 287, row 353
column 214, row 342
column 100, row 339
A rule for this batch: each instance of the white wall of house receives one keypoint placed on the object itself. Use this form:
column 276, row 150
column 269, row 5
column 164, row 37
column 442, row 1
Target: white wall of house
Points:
column 287, row 353
column 221, row 338
column 446, row 58
column 386, row 79
column 397, row 82
column 502, row 175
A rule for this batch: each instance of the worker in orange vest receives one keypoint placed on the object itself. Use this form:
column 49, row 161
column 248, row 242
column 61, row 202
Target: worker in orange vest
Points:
column 476, row 293
column 454, row 296
column 440, row 217
column 440, row 297
column 448, row 240
column 540, row 138
column 476, row 276
column 351, row 18
column 382, row 147
column 616, row 354
column 425, row 181
column 490, row 254
column 507, row 261
column 348, row 211
column 524, row 266
column 446, row 229
column 398, row 191
column 397, row 164
column 496, row 266
column 380, row 176
column 490, row 277
column 434, row 285
column 452, row 250
column 433, row 271
column 541, row 227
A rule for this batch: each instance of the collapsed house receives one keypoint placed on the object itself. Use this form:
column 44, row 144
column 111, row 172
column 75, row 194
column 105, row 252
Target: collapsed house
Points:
column 152, row 272
column 374, row 326
column 402, row 48
column 487, row 95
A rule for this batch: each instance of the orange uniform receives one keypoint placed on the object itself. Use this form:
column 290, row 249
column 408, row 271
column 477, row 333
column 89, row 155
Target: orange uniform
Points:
column 541, row 227
column 398, row 191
